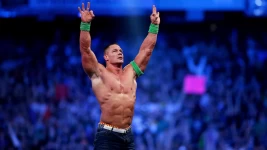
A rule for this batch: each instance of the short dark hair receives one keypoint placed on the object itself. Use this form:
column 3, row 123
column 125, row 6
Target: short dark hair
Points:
column 107, row 46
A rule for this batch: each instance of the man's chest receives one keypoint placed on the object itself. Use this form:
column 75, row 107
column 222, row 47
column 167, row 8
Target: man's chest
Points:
column 120, row 84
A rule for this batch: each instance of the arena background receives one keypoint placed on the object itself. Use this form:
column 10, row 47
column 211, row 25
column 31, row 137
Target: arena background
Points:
column 204, row 87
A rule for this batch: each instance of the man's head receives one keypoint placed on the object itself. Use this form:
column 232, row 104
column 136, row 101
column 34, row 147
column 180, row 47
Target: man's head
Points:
column 113, row 54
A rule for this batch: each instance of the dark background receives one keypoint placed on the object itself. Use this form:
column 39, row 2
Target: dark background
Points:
column 46, row 100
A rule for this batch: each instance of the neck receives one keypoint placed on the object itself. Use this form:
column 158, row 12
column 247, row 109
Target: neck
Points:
column 115, row 68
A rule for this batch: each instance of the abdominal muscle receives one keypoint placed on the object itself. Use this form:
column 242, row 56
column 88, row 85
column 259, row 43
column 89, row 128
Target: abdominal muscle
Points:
column 117, row 108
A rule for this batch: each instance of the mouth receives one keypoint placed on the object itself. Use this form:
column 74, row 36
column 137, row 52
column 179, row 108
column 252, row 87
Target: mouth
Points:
column 120, row 57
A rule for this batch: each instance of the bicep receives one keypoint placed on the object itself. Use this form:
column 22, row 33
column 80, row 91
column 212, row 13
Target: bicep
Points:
column 90, row 63
column 142, row 59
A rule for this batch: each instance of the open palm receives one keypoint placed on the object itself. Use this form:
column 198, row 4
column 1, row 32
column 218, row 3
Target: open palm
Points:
column 86, row 15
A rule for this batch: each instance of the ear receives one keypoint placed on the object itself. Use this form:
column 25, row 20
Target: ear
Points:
column 106, row 57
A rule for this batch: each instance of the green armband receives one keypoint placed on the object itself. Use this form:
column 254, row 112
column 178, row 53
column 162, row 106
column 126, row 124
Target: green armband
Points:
column 153, row 28
column 137, row 70
column 85, row 26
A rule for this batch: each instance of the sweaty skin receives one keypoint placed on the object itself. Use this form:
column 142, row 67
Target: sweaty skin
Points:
column 114, row 87
column 116, row 95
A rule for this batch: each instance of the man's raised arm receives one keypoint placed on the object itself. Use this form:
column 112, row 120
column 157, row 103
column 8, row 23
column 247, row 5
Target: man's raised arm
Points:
column 148, row 44
column 89, row 61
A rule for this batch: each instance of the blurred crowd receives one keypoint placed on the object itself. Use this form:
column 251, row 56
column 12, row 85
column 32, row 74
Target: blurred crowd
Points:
column 46, row 100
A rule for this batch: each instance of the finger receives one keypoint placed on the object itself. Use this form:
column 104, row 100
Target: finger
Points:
column 158, row 14
column 154, row 9
column 83, row 6
column 88, row 6
column 79, row 9
column 92, row 13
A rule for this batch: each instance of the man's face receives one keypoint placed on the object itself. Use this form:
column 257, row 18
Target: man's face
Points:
column 114, row 54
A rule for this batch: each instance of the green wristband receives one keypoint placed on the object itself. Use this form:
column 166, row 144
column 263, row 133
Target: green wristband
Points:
column 85, row 26
column 153, row 28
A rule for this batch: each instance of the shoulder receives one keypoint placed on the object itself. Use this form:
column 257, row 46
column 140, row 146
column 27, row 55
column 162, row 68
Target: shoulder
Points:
column 101, row 67
column 135, row 69
column 128, row 68
column 100, row 70
column 129, row 71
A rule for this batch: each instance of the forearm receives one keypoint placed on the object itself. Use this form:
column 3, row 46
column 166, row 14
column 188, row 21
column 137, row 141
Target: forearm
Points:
column 85, row 41
column 149, row 42
column 89, row 61
column 146, row 50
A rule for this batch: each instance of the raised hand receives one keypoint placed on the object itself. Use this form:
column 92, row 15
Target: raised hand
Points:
column 86, row 15
column 154, row 17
